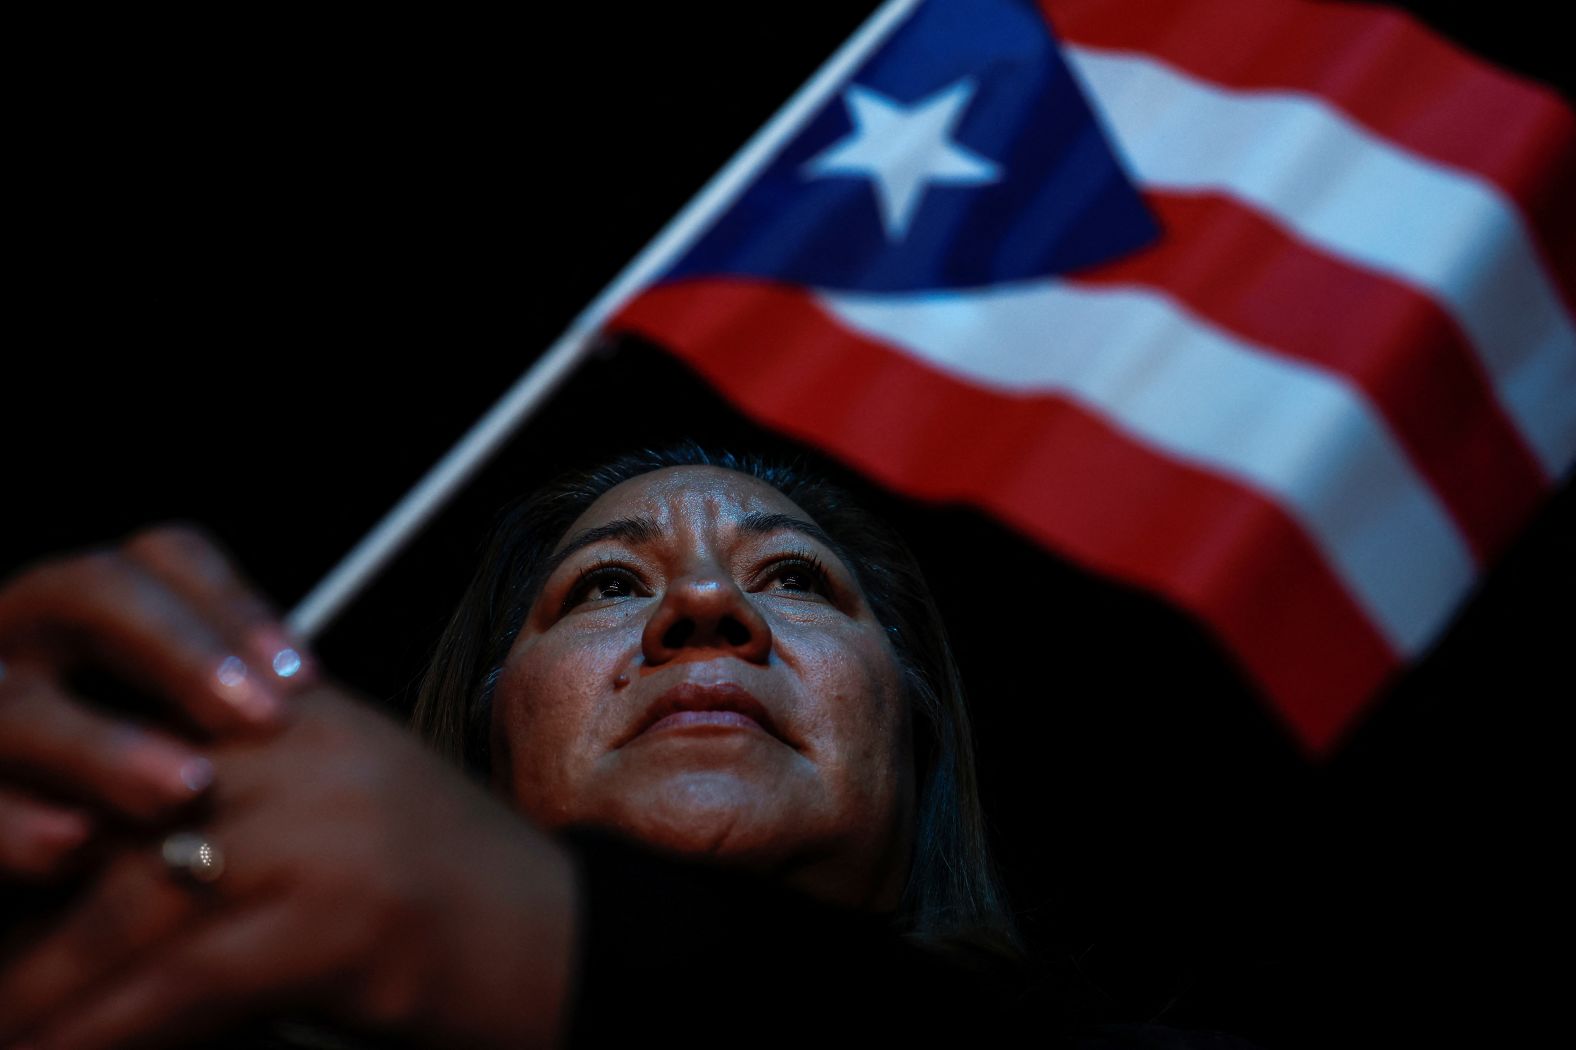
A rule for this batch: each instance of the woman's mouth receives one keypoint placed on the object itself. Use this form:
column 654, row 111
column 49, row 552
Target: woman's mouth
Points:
column 693, row 719
column 701, row 707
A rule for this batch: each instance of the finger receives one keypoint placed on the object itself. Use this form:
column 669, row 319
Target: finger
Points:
column 192, row 564
column 135, row 906
column 238, row 967
column 132, row 906
column 106, row 608
column 49, row 738
column 37, row 838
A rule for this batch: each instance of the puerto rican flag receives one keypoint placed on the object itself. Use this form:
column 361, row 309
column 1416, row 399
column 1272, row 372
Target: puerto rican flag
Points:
column 1263, row 305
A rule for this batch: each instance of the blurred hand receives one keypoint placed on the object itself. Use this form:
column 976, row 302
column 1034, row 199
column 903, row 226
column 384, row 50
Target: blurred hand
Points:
column 167, row 613
column 364, row 880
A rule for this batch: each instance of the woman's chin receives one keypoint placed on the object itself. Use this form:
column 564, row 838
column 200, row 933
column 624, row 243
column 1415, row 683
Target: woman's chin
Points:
column 723, row 817
column 720, row 813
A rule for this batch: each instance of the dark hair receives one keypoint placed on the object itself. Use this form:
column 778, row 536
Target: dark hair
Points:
column 952, row 895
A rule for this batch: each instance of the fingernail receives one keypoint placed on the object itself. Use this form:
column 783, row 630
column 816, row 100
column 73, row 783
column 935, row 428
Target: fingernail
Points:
column 241, row 691
column 286, row 662
column 197, row 775
column 283, row 655
column 232, row 672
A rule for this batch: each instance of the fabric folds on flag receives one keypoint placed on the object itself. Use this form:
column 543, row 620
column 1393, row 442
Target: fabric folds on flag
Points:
column 1263, row 305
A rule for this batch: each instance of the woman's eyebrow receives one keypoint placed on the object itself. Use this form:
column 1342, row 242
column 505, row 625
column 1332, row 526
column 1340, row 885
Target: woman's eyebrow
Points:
column 763, row 523
column 635, row 530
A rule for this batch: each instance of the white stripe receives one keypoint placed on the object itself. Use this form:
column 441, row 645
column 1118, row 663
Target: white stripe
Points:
column 1303, row 438
column 1447, row 233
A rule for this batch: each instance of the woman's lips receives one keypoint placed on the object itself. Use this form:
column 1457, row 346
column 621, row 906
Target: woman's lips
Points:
column 721, row 706
column 693, row 719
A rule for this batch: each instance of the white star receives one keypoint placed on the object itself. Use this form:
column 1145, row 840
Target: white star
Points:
column 901, row 149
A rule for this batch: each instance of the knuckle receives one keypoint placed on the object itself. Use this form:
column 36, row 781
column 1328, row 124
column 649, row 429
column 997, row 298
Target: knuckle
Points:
column 95, row 567
column 182, row 549
column 65, row 587
column 191, row 556
column 53, row 578
column 179, row 539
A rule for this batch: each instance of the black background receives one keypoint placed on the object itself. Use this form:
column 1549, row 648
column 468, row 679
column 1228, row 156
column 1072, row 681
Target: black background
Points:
column 264, row 270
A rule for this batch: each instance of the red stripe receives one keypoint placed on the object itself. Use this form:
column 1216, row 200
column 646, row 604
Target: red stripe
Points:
column 1381, row 68
column 1042, row 465
column 1228, row 264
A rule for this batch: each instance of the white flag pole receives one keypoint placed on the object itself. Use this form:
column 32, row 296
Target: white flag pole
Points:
column 531, row 390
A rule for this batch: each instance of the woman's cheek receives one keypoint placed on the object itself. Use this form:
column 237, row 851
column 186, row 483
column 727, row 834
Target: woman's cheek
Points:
column 539, row 710
column 890, row 717
column 872, row 718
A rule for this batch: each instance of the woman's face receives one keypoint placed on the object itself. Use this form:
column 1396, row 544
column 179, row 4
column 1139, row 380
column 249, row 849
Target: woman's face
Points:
column 703, row 673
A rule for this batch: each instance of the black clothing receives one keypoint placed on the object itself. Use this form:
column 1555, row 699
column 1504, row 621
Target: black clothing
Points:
column 708, row 957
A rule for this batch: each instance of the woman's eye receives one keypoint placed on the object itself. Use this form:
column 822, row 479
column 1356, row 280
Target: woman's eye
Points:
column 603, row 585
column 799, row 576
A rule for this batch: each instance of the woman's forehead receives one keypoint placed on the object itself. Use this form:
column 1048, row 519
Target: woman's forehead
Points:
column 680, row 497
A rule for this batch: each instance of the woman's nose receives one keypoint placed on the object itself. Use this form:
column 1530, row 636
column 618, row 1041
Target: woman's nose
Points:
column 706, row 612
